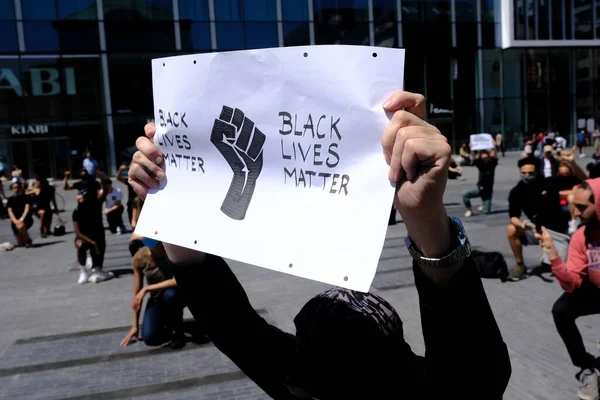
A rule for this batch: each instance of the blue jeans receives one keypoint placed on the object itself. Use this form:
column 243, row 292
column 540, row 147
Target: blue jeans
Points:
column 476, row 192
column 162, row 317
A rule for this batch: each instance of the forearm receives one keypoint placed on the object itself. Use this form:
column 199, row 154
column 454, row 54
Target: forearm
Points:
column 458, row 324
column 162, row 285
column 136, row 319
column 516, row 222
column 261, row 351
column 83, row 237
column 12, row 216
column 25, row 212
column 65, row 184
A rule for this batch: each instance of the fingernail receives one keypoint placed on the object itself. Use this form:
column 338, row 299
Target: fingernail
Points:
column 158, row 160
column 159, row 175
column 387, row 103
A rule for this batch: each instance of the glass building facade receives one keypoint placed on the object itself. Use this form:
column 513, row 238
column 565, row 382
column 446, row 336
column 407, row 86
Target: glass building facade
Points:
column 75, row 75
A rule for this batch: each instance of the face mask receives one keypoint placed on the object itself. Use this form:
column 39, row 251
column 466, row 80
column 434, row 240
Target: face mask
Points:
column 528, row 178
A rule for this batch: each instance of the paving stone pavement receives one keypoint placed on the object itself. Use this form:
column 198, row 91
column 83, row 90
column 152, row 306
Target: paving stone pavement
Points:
column 60, row 340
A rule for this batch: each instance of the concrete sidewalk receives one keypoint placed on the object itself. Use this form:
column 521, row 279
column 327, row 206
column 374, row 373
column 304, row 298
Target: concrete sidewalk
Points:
column 61, row 341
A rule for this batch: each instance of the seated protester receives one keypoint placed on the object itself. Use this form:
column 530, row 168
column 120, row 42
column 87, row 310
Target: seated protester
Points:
column 114, row 208
column 19, row 211
column 163, row 318
column 89, row 236
column 454, row 171
column 348, row 344
column 486, row 163
column 579, row 276
column 44, row 196
column 539, row 199
column 593, row 168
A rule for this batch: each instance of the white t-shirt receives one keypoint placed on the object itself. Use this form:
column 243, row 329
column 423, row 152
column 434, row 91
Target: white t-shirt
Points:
column 547, row 168
column 113, row 197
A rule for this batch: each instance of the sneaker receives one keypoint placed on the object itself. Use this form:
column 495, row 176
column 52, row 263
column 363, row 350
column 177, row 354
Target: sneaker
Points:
column 28, row 243
column 83, row 276
column 88, row 262
column 468, row 213
column 118, row 230
column 517, row 273
column 588, row 384
column 97, row 275
column 582, row 155
column 480, row 208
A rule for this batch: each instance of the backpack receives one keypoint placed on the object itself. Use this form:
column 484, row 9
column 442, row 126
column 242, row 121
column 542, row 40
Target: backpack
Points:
column 490, row 264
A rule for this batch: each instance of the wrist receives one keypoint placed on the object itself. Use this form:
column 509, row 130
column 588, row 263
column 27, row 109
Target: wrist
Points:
column 431, row 234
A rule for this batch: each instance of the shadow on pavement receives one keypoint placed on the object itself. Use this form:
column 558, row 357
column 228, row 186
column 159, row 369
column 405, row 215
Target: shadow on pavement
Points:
column 120, row 272
column 43, row 244
column 542, row 269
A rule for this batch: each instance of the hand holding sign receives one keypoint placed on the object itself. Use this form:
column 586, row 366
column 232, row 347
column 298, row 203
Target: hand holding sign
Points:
column 241, row 143
column 419, row 156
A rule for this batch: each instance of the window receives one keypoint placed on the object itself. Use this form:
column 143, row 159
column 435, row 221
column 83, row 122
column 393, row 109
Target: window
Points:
column 77, row 9
column 157, row 10
column 196, row 10
column 38, row 9
column 294, row 10
column 195, row 36
column 230, row 36
column 296, row 34
column 139, row 35
column 11, row 92
column 355, row 33
column 260, row 34
column 583, row 14
column 384, row 17
column 260, row 10
column 335, row 11
column 228, row 10
column 8, row 33
column 8, row 11
column 41, row 36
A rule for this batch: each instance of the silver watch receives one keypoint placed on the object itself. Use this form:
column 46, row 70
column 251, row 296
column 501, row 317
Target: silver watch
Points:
column 458, row 254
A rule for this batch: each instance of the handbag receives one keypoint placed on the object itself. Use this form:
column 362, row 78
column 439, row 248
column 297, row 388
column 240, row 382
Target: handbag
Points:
column 59, row 228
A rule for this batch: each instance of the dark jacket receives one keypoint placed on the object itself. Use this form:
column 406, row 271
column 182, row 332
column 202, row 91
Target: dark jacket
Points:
column 553, row 165
column 465, row 354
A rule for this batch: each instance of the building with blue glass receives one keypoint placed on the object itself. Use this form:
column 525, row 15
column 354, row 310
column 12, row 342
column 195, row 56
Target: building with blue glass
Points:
column 75, row 75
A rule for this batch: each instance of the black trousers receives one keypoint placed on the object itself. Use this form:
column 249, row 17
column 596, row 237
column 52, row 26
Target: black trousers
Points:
column 115, row 219
column 569, row 307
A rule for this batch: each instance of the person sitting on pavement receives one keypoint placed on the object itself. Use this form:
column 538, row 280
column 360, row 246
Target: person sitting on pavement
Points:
column 89, row 236
column 486, row 163
column 350, row 344
column 44, row 196
column 20, row 211
column 113, row 210
column 539, row 199
column 579, row 275
column 549, row 164
column 163, row 318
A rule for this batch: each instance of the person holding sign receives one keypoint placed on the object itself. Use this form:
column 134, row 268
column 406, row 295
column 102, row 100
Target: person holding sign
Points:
column 486, row 163
column 350, row 344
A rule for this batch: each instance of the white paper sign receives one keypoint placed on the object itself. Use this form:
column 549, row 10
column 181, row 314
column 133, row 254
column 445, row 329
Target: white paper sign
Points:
column 273, row 157
column 482, row 141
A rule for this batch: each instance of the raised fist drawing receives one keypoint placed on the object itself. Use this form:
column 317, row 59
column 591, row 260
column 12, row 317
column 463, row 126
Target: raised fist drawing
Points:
column 241, row 143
